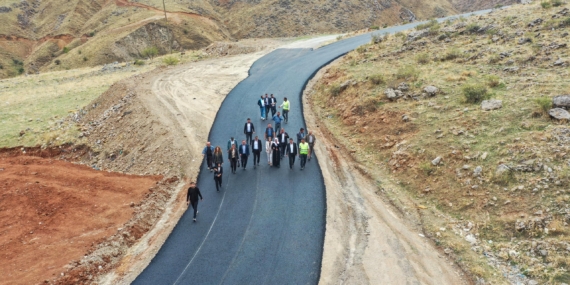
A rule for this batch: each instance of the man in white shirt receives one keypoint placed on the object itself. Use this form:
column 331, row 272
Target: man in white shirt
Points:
column 248, row 130
column 291, row 152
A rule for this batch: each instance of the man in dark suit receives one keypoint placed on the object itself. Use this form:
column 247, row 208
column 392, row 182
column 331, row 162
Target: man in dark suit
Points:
column 283, row 138
column 244, row 153
column 256, row 149
column 218, row 171
column 273, row 105
column 248, row 130
column 291, row 152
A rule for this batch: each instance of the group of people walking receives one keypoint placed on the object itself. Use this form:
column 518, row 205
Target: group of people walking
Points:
column 278, row 145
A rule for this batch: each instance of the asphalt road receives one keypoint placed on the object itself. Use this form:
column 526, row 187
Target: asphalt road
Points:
column 267, row 225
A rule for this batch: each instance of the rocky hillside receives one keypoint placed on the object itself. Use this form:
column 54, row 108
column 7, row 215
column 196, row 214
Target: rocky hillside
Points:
column 470, row 118
column 46, row 35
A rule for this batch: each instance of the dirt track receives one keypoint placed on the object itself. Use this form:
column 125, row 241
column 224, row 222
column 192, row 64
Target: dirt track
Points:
column 367, row 241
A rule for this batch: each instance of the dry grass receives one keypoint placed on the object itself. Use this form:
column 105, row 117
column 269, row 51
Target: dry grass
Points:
column 460, row 132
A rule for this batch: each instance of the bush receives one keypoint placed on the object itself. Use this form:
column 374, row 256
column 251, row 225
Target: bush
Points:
column 556, row 3
column 565, row 22
column 426, row 168
column 20, row 70
column 422, row 58
column 452, row 54
column 493, row 81
column 375, row 28
column 545, row 4
column 431, row 23
column 361, row 49
column 185, row 31
column 92, row 34
column 494, row 58
column 335, row 89
column 377, row 79
column 138, row 62
column 150, row 52
column 170, row 60
column 475, row 93
column 339, row 37
column 544, row 104
column 472, row 28
column 85, row 58
column 408, row 72
column 65, row 50
column 79, row 51
column 57, row 62
column 1, row 66
column 376, row 38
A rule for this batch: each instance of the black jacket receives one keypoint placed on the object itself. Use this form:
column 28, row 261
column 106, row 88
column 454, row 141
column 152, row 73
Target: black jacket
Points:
column 218, row 172
column 259, row 146
column 288, row 150
column 193, row 194
column 245, row 128
column 286, row 138
column 272, row 101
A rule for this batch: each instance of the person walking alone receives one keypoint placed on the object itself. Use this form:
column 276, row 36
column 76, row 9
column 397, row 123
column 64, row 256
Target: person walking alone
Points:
column 248, row 130
column 283, row 139
column 303, row 152
column 286, row 106
column 291, row 152
column 269, row 151
column 277, row 119
column 233, row 156
column 243, row 153
column 261, row 104
column 311, row 139
column 256, row 149
column 192, row 198
column 218, row 156
column 208, row 152
column 273, row 105
column 276, row 152
column 218, row 171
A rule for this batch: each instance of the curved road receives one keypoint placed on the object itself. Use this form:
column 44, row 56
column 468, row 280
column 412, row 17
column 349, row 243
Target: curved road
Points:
column 267, row 225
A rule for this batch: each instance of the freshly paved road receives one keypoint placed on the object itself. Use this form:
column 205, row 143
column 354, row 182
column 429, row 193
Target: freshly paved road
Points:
column 267, row 225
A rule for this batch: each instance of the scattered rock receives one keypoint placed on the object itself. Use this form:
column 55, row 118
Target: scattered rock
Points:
column 416, row 35
column 403, row 87
column 561, row 101
column 478, row 171
column 405, row 118
column 502, row 168
column 523, row 41
column 5, row 9
column 471, row 239
column 484, row 156
column 392, row 94
column 559, row 114
column 22, row 133
column 535, row 22
column 488, row 105
column 559, row 62
column 436, row 161
column 431, row 90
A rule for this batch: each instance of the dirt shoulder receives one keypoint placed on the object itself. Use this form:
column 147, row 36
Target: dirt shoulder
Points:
column 367, row 240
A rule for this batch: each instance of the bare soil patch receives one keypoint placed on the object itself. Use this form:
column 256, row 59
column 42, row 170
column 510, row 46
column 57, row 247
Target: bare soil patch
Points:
column 53, row 211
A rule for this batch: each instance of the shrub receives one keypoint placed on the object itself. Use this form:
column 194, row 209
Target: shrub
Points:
column 1, row 66
column 335, row 89
column 339, row 37
column 85, row 58
column 170, row 60
column 475, row 93
column 493, row 81
column 472, row 28
column 376, row 38
column 79, row 51
column 452, row 54
column 65, row 50
column 377, row 79
column 20, row 70
column 138, row 62
column 150, row 52
column 544, row 104
column 408, row 72
column 545, row 4
column 385, row 26
column 426, row 168
column 375, row 28
column 431, row 23
column 57, row 62
column 494, row 58
column 422, row 58
column 565, row 22
column 556, row 3
column 92, row 34
column 185, row 31
column 17, row 62
column 361, row 49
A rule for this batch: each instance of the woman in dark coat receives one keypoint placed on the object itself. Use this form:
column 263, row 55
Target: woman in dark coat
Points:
column 276, row 152
column 218, row 156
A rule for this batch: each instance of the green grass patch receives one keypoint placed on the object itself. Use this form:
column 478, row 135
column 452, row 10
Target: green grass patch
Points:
column 170, row 60
column 475, row 93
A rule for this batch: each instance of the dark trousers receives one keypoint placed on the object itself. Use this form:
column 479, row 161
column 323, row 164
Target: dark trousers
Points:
column 248, row 138
column 233, row 164
column 218, row 181
column 286, row 115
column 267, row 108
column 291, row 161
column 273, row 110
column 311, row 147
column 194, row 206
column 277, row 127
column 243, row 161
column 303, row 158
column 283, row 147
column 209, row 160
column 256, row 155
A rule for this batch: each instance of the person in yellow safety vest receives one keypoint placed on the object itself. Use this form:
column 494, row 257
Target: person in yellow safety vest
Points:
column 286, row 107
column 303, row 152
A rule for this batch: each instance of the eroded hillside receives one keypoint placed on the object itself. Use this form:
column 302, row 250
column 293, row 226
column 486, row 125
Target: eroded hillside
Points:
column 46, row 35
column 468, row 117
